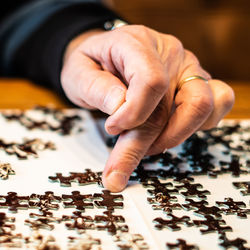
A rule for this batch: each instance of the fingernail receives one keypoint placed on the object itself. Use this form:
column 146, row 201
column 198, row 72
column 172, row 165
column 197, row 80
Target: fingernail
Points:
column 116, row 181
column 113, row 100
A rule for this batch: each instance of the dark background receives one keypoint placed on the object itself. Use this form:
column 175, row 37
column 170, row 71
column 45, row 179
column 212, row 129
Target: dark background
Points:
column 217, row 31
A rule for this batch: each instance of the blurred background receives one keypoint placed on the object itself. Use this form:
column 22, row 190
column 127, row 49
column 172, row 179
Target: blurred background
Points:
column 217, row 31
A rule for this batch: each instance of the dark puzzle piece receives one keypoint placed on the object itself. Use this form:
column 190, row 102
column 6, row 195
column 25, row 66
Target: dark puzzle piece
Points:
column 181, row 245
column 32, row 146
column 195, row 150
column 40, row 242
column 65, row 181
column 85, row 178
column 88, row 177
column 167, row 159
column 9, row 241
column 28, row 147
column 192, row 190
column 108, row 200
column 6, row 224
column 46, row 201
column 155, row 187
column 65, row 122
column 183, row 176
column 78, row 222
column 111, row 141
column 140, row 174
column 169, row 169
column 192, row 205
column 211, row 210
column 212, row 225
column 234, row 167
column 111, row 222
column 243, row 186
column 200, row 208
column 85, row 242
column 5, row 171
column 237, row 243
column 14, row 202
column 163, row 202
column 42, row 221
column 233, row 207
column 172, row 223
column 127, row 241
column 78, row 201
column 7, row 237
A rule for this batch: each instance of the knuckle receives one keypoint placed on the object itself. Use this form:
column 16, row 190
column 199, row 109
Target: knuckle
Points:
column 134, row 119
column 132, row 157
column 140, row 29
column 158, row 82
column 175, row 43
column 158, row 118
column 132, row 31
column 202, row 105
column 191, row 57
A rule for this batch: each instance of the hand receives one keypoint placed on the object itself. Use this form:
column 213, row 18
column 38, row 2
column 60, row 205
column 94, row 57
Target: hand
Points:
column 132, row 74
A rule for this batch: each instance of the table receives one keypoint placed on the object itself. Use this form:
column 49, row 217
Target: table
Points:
column 18, row 93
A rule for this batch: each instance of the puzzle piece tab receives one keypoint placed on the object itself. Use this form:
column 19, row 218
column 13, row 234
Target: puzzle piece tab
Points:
column 108, row 200
column 164, row 203
column 85, row 178
column 192, row 190
column 78, row 201
column 237, row 243
column 181, row 245
column 234, row 207
column 14, row 202
column 243, row 186
column 78, row 222
column 172, row 223
column 46, row 201
column 212, row 225
column 130, row 241
column 111, row 222
column 5, row 171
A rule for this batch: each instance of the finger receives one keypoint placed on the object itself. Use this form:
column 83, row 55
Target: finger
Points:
column 144, row 93
column 140, row 66
column 223, row 103
column 194, row 103
column 130, row 149
column 87, row 85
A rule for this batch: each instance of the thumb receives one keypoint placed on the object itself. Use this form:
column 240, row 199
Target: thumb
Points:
column 86, row 84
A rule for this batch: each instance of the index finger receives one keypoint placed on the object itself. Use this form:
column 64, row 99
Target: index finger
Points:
column 131, row 148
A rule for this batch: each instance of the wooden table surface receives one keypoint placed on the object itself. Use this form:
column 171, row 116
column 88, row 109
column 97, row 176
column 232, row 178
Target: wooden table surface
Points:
column 16, row 93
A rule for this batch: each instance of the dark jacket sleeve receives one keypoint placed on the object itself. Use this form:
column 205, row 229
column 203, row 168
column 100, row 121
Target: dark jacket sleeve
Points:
column 34, row 37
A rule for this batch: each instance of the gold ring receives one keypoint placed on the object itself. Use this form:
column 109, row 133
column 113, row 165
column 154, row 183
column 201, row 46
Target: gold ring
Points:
column 190, row 78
